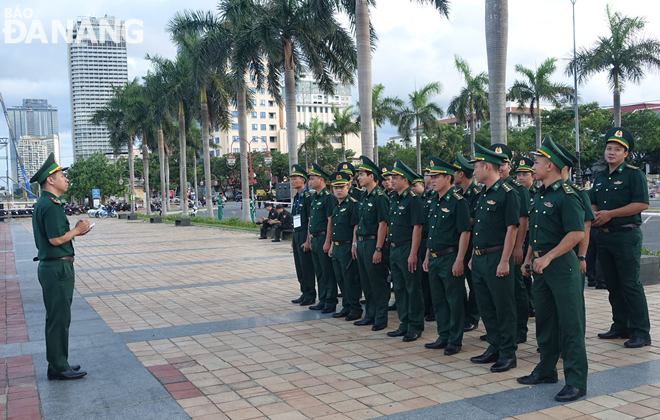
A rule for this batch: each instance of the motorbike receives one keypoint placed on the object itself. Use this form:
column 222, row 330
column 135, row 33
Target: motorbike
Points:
column 193, row 211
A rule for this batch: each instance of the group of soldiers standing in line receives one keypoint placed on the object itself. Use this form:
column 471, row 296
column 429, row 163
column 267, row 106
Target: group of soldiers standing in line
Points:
column 520, row 245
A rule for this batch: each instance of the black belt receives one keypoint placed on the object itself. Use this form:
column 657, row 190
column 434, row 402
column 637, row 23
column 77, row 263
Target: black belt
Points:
column 338, row 243
column 436, row 254
column 485, row 251
column 67, row 258
column 316, row 235
column 367, row 237
column 622, row 228
column 539, row 254
column 300, row 229
column 395, row 244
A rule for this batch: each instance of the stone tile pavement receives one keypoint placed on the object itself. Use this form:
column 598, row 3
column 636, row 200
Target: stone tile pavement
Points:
column 196, row 323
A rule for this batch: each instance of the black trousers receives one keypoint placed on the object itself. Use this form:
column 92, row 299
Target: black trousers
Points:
column 264, row 228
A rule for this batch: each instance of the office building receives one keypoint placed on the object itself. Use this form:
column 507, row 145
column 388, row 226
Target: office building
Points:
column 34, row 151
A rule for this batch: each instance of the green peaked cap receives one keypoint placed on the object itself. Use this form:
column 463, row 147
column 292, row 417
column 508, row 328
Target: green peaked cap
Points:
column 340, row 178
column 502, row 149
column 570, row 160
column 368, row 165
column 621, row 136
column 297, row 170
column 550, row 150
column 481, row 154
column 401, row 169
column 346, row 167
column 463, row 164
column 435, row 166
column 47, row 169
column 524, row 164
column 318, row 171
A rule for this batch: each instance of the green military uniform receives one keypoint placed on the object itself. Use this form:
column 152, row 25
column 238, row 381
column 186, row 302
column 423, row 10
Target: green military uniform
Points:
column 497, row 208
column 520, row 291
column 427, row 198
column 320, row 210
column 348, row 168
column 620, row 242
column 387, row 170
column 449, row 218
column 373, row 210
column 558, row 291
column 345, row 217
column 56, row 275
column 525, row 165
column 221, row 208
column 303, row 260
column 406, row 212
column 471, row 195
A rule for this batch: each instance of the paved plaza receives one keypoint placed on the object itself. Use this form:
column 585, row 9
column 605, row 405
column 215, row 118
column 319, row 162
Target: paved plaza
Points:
column 196, row 322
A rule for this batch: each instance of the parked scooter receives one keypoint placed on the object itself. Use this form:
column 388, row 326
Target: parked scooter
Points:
column 193, row 211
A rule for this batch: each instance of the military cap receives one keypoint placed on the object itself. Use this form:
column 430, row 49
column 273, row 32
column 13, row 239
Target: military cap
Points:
column 437, row 166
column 386, row 170
column 502, row 149
column 368, row 165
column 418, row 178
column 481, row 154
column 463, row 164
column 571, row 160
column 340, row 178
column 550, row 150
column 47, row 169
column 524, row 165
column 401, row 169
column 297, row 170
column 318, row 171
column 346, row 167
column 621, row 136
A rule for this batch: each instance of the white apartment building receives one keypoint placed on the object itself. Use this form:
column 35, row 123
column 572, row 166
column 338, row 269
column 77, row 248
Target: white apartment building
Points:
column 34, row 151
column 97, row 62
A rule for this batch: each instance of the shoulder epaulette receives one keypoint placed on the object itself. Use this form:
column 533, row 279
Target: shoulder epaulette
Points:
column 476, row 190
column 578, row 187
column 352, row 200
column 457, row 195
column 516, row 183
column 412, row 193
column 631, row 166
column 567, row 189
column 506, row 187
column 55, row 200
column 379, row 192
column 307, row 194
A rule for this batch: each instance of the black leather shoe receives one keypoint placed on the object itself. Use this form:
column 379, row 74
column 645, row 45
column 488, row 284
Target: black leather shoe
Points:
column 535, row 379
column 487, row 357
column 600, row 287
column 430, row 318
column 306, row 302
column 591, row 284
column 364, row 321
column 74, row 367
column 532, row 313
column 262, row 237
column 396, row 333
column 438, row 344
column 353, row 317
column 276, row 240
column 363, row 302
column 392, row 307
column 411, row 337
column 67, row 375
column 378, row 327
column 452, row 349
column 340, row 295
column 299, row 300
column 469, row 327
column 570, row 393
column 317, row 307
column 613, row 334
column 342, row 314
column 503, row 365
column 483, row 337
column 328, row 310
column 637, row 342
column 521, row 340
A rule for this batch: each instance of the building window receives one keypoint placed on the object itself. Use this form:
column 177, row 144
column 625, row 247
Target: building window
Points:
column 236, row 150
column 234, row 138
column 263, row 127
column 254, row 102
column 270, row 103
column 234, row 126
column 263, row 138
column 253, row 90
column 262, row 102
column 252, row 77
column 234, row 114
column 298, row 107
column 271, row 115
column 255, row 126
column 254, row 114
column 262, row 115
column 262, row 91
column 272, row 127
column 273, row 139
column 217, row 140
column 314, row 109
column 309, row 109
column 255, row 139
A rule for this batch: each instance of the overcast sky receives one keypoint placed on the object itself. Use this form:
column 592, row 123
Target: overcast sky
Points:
column 416, row 47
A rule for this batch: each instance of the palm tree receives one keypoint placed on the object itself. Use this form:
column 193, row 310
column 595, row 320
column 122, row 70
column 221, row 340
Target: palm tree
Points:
column 317, row 136
column 624, row 54
column 383, row 108
column 472, row 102
column 537, row 86
column 358, row 13
column 419, row 114
column 343, row 125
column 497, row 34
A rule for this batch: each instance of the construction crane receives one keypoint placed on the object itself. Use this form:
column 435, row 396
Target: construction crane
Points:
column 12, row 136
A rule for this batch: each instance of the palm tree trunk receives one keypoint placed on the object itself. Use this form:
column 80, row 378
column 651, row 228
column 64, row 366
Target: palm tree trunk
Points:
column 537, row 122
column 472, row 128
column 194, row 162
column 241, row 107
column 145, row 170
column 290, row 103
column 131, row 173
column 364, row 75
column 183, row 181
column 166, row 207
column 375, row 144
column 497, row 31
column 418, row 146
column 617, row 106
column 343, row 148
column 163, row 182
column 316, row 157
column 206, row 128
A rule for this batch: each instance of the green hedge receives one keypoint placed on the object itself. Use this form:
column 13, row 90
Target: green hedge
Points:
column 233, row 222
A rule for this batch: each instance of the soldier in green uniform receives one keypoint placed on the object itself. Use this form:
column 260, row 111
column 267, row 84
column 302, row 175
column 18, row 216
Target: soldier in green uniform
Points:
column 299, row 241
column 320, row 235
column 447, row 242
column 557, row 225
column 349, row 169
column 53, row 239
column 522, row 303
column 496, row 217
column 421, row 187
column 406, row 218
column 386, row 172
column 465, row 186
column 221, row 206
column 345, row 218
column 525, row 176
column 370, row 237
column 618, row 198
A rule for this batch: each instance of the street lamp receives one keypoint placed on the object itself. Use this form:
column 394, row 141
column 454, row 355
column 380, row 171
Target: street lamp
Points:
column 575, row 99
